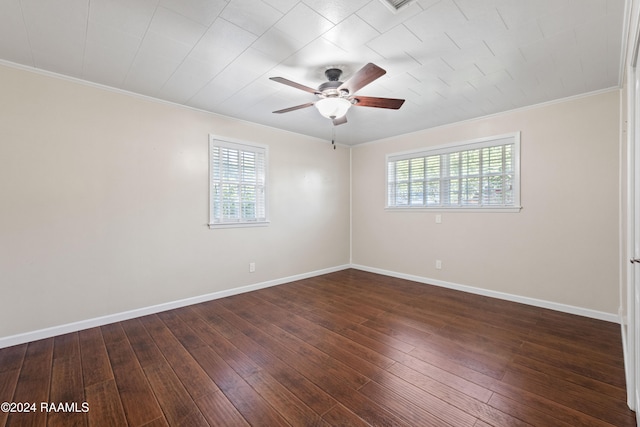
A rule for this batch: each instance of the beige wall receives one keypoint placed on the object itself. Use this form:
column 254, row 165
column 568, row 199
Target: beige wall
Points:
column 563, row 247
column 104, row 204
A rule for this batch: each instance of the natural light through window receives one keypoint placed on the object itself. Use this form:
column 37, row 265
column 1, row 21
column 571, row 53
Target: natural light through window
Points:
column 479, row 174
column 238, row 183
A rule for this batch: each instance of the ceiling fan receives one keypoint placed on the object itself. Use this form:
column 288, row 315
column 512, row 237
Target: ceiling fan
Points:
column 336, row 97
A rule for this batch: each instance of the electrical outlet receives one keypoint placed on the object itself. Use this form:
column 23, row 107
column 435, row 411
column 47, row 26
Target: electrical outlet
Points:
column 438, row 219
column 252, row 267
column 438, row 264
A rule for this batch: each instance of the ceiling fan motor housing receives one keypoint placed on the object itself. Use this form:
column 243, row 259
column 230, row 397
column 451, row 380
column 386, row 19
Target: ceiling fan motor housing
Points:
column 330, row 88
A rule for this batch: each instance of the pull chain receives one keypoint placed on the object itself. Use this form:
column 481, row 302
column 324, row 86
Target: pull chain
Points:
column 333, row 137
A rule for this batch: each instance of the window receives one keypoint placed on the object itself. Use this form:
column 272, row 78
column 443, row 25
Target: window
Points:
column 482, row 174
column 238, row 183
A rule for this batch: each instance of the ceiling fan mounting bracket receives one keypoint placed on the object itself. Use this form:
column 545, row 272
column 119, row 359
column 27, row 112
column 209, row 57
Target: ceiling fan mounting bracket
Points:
column 333, row 74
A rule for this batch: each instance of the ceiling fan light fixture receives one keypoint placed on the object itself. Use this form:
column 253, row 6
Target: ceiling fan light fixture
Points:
column 332, row 108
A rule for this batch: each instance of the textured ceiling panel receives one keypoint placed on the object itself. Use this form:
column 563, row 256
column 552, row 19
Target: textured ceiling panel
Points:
column 451, row 60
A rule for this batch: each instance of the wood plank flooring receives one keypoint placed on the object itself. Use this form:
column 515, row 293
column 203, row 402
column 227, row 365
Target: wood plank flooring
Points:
column 345, row 349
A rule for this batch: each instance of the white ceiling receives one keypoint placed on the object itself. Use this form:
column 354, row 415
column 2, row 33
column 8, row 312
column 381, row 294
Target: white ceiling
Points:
column 450, row 59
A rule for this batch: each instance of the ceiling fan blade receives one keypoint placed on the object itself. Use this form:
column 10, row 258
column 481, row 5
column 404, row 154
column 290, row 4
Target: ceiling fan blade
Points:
column 340, row 120
column 369, row 101
column 297, row 107
column 362, row 77
column 293, row 84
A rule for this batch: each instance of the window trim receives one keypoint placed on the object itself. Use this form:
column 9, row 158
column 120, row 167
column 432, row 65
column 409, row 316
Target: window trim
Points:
column 223, row 141
column 456, row 147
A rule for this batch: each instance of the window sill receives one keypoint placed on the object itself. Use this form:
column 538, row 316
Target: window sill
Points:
column 493, row 209
column 239, row 224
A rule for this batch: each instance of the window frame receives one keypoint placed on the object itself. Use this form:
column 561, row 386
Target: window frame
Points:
column 457, row 147
column 244, row 146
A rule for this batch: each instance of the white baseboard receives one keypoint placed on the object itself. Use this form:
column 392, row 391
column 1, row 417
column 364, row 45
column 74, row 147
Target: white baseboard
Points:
column 118, row 317
column 609, row 317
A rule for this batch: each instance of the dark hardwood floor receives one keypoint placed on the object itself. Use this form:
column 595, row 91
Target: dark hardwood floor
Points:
column 349, row 348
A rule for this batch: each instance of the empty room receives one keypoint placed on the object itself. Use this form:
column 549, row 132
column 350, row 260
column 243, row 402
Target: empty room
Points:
column 319, row 213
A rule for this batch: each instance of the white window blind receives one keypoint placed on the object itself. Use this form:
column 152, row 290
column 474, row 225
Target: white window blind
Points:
column 238, row 183
column 481, row 174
